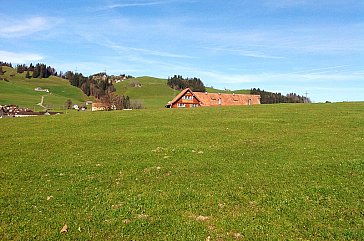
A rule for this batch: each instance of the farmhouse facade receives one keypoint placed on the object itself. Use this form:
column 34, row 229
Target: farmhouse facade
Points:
column 189, row 99
column 98, row 106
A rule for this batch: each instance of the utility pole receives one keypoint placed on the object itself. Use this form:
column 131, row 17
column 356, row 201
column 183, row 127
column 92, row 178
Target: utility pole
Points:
column 306, row 100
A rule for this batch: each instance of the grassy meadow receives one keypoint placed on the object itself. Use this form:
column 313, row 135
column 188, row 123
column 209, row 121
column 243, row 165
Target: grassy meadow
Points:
column 153, row 93
column 289, row 171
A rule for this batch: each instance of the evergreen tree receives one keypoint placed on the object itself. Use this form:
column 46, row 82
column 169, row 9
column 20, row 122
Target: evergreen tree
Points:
column 27, row 75
column 42, row 71
column 20, row 68
column 36, row 71
column 31, row 67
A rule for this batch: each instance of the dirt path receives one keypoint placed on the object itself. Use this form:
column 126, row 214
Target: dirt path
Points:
column 41, row 102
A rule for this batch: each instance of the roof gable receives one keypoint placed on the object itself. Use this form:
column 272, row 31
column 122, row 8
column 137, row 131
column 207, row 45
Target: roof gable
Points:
column 180, row 95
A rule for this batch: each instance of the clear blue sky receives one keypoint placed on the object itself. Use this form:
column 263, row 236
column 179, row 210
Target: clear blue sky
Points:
column 277, row 45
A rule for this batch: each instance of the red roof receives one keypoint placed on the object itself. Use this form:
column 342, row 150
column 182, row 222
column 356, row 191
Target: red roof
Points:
column 214, row 99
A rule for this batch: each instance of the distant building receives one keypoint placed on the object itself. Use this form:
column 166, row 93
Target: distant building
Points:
column 99, row 106
column 41, row 89
column 189, row 99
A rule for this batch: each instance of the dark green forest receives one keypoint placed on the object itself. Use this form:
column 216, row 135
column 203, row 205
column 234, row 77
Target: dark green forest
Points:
column 177, row 82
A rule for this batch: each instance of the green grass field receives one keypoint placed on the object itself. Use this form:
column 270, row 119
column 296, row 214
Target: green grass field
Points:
column 289, row 171
column 20, row 91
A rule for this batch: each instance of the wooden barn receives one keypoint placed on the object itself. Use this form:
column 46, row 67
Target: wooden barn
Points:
column 189, row 99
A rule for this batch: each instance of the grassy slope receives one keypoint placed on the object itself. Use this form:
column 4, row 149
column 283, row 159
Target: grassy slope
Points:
column 20, row 91
column 263, row 172
column 154, row 92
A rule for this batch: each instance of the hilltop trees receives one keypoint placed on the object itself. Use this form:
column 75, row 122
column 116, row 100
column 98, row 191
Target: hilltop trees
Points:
column 6, row 64
column 38, row 71
column 91, row 86
column 42, row 71
column 177, row 82
column 20, row 68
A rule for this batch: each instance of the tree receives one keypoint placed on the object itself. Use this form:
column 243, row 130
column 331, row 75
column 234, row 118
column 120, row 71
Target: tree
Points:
column 36, row 71
column 68, row 104
column 20, row 68
column 42, row 72
column 31, row 67
column 126, row 103
column 27, row 75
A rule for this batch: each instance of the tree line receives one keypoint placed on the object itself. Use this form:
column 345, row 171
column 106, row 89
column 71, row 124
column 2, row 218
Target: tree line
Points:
column 177, row 82
column 273, row 98
column 37, row 71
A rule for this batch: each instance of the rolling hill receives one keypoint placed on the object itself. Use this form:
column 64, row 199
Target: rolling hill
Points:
column 152, row 92
column 20, row 91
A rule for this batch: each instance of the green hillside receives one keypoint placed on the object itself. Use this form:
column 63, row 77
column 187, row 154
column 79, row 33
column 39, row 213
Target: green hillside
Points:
column 20, row 91
column 153, row 92
column 267, row 172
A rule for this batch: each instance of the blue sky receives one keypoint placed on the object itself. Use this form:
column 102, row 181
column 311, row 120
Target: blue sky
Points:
column 277, row 45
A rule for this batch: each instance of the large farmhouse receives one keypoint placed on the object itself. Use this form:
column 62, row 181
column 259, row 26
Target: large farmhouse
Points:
column 189, row 99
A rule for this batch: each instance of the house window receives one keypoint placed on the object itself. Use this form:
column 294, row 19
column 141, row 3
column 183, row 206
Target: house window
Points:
column 180, row 105
column 187, row 97
column 193, row 105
